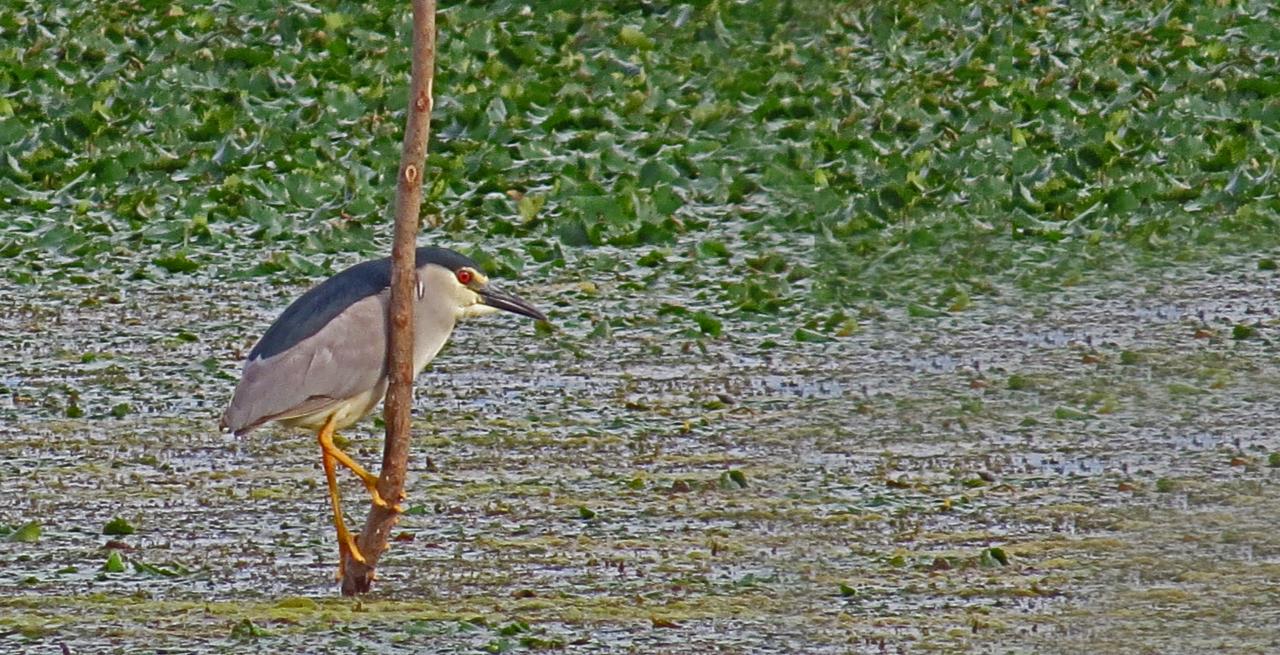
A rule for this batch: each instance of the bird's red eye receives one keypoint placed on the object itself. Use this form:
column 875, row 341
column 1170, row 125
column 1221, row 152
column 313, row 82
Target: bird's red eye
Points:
column 464, row 276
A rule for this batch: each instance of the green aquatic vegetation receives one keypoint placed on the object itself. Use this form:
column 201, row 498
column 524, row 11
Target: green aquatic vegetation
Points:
column 247, row 629
column 994, row 556
column 943, row 149
column 27, row 533
column 842, row 295
column 118, row 527
column 114, row 563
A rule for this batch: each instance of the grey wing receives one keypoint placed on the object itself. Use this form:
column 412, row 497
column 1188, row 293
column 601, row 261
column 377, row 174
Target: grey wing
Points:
column 346, row 357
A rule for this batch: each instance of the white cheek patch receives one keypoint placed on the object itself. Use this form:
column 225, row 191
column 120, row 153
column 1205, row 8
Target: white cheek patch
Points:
column 474, row 310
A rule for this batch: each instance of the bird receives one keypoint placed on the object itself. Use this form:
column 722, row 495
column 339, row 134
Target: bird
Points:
column 322, row 365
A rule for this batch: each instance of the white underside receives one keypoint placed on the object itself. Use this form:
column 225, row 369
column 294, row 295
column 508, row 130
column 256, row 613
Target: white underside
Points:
column 346, row 413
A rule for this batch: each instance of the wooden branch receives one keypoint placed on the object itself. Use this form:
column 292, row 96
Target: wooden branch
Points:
column 358, row 577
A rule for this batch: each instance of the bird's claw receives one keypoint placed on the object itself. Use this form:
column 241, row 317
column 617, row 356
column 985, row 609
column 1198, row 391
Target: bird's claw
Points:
column 379, row 501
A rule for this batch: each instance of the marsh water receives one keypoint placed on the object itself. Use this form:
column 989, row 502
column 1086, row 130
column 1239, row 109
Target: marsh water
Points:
column 1091, row 468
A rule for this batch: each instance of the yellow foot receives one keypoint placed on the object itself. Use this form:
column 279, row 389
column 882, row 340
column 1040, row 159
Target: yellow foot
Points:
column 380, row 501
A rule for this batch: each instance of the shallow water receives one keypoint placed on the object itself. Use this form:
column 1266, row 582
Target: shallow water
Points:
column 1112, row 438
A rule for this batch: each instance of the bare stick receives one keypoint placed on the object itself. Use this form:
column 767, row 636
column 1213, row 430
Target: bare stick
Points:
column 358, row 577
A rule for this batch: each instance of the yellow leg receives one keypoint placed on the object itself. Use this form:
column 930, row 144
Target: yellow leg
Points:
column 346, row 543
column 370, row 480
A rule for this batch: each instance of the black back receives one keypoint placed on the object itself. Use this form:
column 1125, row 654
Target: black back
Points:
column 324, row 302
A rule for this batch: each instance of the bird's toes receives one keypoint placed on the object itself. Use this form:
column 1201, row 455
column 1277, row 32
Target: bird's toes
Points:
column 379, row 501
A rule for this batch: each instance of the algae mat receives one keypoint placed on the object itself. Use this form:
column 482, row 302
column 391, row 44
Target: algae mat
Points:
column 1096, row 470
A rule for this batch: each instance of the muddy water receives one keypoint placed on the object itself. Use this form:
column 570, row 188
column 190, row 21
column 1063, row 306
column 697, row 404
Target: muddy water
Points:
column 1111, row 439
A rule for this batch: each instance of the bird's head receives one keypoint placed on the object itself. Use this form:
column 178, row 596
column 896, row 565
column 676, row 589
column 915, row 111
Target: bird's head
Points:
column 469, row 289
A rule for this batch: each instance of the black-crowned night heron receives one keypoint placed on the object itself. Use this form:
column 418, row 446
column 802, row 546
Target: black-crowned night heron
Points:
column 323, row 364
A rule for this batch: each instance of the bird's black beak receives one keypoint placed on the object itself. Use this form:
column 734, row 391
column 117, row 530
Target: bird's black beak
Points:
column 499, row 299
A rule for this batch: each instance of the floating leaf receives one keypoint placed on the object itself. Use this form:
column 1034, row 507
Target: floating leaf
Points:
column 1069, row 414
column 733, row 479
column 713, row 248
column 709, row 324
column 921, row 311
column 635, row 37
column 807, row 336
column 513, row 628
column 28, row 533
column 247, row 629
column 114, row 563
column 994, row 556
column 117, row 527
column 178, row 263
column 1020, row 383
